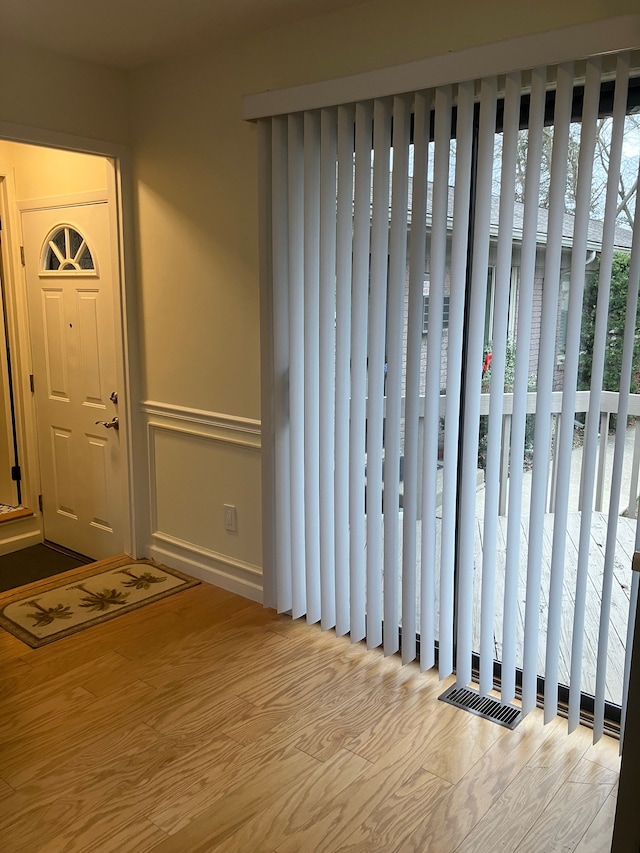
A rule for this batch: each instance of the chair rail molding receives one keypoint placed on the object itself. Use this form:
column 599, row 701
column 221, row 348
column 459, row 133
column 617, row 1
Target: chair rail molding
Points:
column 201, row 416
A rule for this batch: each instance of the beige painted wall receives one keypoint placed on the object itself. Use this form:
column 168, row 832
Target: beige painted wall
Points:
column 40, row 89
column 48, row 172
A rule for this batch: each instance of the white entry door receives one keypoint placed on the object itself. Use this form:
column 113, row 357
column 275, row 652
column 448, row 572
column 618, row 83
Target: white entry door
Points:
column 70, row 284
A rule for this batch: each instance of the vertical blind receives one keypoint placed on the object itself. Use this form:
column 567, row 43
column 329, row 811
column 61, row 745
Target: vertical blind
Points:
column 423, row 479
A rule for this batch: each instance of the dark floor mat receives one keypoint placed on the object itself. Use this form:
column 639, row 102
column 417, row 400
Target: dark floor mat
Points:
column 34, row 563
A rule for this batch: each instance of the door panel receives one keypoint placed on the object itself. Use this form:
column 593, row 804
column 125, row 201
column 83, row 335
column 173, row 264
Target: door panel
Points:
column 89, row 315
column 98, row 458
column 54, row 342
column 63, row 472
column 74, row 362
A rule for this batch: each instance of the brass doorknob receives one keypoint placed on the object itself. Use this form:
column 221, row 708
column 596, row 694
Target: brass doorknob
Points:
column 114, row 423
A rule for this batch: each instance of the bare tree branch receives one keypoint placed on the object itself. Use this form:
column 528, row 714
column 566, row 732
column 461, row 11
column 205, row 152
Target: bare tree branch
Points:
column 625, row 198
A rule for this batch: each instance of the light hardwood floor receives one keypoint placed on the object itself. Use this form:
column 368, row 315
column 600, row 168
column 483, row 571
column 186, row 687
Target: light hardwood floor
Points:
column 204, row 723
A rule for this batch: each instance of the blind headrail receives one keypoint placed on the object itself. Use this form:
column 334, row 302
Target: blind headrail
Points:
column 548, row 48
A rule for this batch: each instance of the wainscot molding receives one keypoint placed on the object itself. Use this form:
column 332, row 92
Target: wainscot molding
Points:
column 223, row 438
column 178, row 543
column 154, row 428
column 218, row 569
column 216, row 420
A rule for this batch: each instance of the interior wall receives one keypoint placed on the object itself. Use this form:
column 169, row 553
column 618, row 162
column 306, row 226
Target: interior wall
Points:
column 49, row 172
column 195, row 164
column 40, row 89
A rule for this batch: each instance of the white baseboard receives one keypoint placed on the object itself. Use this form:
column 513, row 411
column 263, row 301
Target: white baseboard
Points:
column 22, row 540
column 206, row 567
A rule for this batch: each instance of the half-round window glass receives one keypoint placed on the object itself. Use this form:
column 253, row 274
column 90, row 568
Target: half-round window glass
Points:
column 66, row 250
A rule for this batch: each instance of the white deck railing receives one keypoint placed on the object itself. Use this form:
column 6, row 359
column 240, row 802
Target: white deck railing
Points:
column 608, row 407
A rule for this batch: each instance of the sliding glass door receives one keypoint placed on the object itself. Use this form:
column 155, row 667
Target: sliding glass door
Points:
column 454, row 288
column 553, row 553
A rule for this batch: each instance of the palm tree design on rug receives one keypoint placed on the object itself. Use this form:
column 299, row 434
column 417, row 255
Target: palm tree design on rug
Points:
column 43, row 617
column 101, row 600
column 142, row 581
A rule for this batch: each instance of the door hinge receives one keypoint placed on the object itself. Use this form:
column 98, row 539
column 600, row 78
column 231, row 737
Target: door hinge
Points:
column 40, row 502
column 32, row 385
column 22, row 256
column 16, row 474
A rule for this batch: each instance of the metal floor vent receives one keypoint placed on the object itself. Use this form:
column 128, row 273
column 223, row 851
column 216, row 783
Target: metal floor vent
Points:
column 483, row 706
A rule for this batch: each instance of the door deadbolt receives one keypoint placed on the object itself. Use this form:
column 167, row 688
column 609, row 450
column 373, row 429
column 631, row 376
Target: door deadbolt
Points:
column 114, row 397
column 114, row 423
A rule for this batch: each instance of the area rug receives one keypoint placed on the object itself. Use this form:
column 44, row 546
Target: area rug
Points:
column 48, row 611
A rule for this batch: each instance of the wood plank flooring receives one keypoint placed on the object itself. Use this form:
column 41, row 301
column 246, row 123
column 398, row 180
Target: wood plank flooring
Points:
column 205, row 723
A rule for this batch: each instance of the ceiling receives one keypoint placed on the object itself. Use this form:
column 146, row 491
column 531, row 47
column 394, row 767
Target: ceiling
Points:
column 129, row 33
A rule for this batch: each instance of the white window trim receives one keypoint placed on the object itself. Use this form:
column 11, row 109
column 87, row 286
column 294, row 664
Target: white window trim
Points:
column 44, row 272
column 567, row 44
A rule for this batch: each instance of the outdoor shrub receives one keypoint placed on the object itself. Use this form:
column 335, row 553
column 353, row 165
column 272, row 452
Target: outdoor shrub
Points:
column 509, row 382
column 615, row 329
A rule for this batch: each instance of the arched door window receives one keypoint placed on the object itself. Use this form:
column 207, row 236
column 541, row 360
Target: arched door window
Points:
column 66, row 251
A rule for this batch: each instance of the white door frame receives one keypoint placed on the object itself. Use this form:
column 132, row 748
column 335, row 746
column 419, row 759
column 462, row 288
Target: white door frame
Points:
column 120, row 196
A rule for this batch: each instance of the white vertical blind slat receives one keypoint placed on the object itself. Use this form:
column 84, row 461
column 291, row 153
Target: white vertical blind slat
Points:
column 616, row 473
column 312, row 364
column 546, row 360
column 267, row 379
column 417, row 258
column 375, row 365
column 296, row 361
column 460, row 235
column 590, row 452
column 631, row 626
column 429, row 562
column 359, row 320
column 499, row 342
column 498, row 348
column 395, row 336
column 475, row 344
column 633, row 605
column 344, row 238
column 327, row 377
column 523, row 345
column 281, row 358
column 564, row 443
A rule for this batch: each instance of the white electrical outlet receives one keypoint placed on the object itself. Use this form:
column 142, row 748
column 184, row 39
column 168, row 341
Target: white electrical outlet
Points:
column 230, row 518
